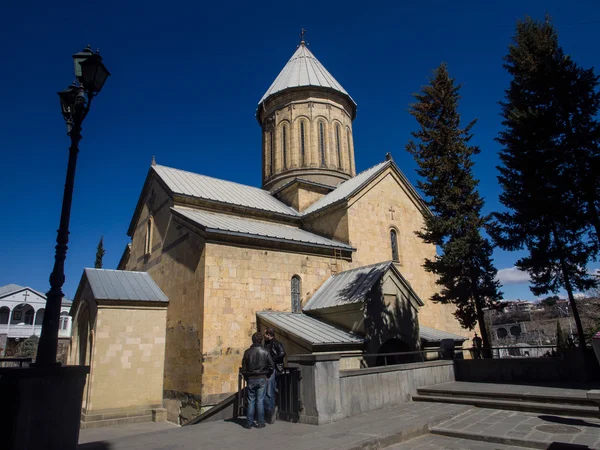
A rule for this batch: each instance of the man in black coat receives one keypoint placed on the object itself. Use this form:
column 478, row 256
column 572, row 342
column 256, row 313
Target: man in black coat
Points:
column 277, row 352
column 257, row 368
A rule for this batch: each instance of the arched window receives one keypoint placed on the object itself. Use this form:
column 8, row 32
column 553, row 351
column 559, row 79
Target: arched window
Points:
column 296, row 306
column 29, row 316
column 4, row 314
column 271, row 154
column 339, row 150
column 284, row 145
column 349, row 150
column 302, row 145
column 39, row 316
column 394, row 243
column 322, row 142
column 148, row 241
column 64, row 320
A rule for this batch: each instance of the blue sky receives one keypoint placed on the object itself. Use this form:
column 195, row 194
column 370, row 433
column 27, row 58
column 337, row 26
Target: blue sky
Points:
column 186, row 77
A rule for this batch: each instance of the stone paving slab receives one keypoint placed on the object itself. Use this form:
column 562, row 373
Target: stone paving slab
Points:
column 432, row 442
column 521, row 429
column 376, row 429
column 569, row 391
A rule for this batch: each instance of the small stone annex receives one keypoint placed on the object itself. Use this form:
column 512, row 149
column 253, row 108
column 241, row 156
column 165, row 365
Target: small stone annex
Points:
column 326, row 256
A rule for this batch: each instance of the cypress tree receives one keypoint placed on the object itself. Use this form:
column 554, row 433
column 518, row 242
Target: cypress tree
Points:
column 466, row 274
column 99, row 254
column 546, row 161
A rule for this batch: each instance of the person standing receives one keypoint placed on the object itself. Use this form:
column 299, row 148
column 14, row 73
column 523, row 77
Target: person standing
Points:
column 257, row 368
column 477, row 346
column 277, row 352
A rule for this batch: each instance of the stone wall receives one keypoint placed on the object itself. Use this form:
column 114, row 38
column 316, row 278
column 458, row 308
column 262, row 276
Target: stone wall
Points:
column 242, row 282
column 329, row 394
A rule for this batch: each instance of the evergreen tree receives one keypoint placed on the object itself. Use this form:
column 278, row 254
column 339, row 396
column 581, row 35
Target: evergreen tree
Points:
column 99, row 254
column 441, row 148
column 28, row 349
column 546, row 161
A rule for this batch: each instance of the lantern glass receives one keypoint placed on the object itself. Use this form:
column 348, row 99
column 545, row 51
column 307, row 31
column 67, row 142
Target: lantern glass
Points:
column 67, row 99
column 93, row 73
column 79, row 58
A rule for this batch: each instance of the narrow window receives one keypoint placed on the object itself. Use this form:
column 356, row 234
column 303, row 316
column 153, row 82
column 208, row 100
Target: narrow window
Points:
column 302, row 148
column 394, row 242
column 148, row 242
column 271, row 154
column 322, row 142
column 64, row 320
column 296, row 294
column 284, row 146
column 339, row 151
column 349, row 151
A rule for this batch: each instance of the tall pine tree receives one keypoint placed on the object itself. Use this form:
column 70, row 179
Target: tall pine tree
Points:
column 441, row 148
column 548, row 157
column 99, row 254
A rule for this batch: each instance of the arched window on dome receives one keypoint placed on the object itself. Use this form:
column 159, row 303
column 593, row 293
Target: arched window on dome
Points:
column 339, row 145
column 394, row 245
column 296, row 306
column 322, row 142
column 348, row 138
column 302, row 145
column 271, row 154
column 284, row 145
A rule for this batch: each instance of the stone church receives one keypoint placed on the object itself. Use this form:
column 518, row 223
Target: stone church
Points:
column 323, row 254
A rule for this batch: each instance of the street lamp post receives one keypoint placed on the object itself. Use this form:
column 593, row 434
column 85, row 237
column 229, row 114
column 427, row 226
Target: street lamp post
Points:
column 75, row 101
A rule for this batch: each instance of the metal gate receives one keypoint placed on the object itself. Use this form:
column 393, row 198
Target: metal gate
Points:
column 287, row 397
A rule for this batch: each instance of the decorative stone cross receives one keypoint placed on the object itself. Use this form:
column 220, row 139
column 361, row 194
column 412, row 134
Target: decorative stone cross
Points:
column 26, row 294
column 392, row 211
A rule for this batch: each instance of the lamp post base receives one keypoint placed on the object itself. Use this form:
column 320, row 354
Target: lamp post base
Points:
column 43, row 406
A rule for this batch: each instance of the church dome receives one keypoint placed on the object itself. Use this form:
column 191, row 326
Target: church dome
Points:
column 306, row 117
column 303, row 69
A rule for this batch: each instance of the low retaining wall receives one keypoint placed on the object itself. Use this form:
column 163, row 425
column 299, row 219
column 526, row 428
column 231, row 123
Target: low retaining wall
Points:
column 328, row 394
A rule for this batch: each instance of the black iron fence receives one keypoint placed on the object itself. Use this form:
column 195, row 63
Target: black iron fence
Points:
column 287, row 398
column 15, row 362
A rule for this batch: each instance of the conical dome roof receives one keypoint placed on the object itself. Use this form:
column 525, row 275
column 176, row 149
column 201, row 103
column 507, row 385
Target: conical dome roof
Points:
column 303, row 69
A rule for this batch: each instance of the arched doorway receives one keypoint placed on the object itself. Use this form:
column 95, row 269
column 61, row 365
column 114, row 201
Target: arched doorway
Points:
column 393, row 346
column 4, row 315
column 39, row 317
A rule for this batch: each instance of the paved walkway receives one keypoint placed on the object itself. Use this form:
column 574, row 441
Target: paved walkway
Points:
column 433, row 442
column 377, row 429
column 522, row 429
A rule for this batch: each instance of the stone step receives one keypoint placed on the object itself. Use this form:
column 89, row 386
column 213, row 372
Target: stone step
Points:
column 440, row 442
column 513, row 405
column 556, row 397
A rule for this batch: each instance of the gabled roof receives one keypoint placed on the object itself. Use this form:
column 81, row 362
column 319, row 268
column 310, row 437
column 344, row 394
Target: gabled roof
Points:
column 303, row 69
column 214, row 189
column 309, row 330
column 228, row 224
column 123, row 285
column 14, row 288
column 352, row 286
column 433, row 335
column 348, row 188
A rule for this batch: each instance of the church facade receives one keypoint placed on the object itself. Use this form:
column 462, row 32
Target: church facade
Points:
column 318, row 242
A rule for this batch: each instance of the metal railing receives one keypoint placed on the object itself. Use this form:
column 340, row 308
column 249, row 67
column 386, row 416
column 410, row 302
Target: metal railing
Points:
column 15, row 362
column 287, row 397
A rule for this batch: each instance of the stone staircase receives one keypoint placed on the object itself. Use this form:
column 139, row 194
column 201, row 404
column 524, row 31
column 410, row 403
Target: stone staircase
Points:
column 562, row 401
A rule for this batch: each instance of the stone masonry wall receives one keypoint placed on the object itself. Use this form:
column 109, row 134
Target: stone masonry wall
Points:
column 128, row 358
column 370, row 222
column 240, row 282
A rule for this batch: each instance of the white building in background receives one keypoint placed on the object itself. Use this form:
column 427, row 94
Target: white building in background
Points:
column 22, row 313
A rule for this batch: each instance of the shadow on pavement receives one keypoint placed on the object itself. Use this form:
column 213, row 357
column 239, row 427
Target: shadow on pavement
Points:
column 569, row 421
column 100, row 445
column 561, row 446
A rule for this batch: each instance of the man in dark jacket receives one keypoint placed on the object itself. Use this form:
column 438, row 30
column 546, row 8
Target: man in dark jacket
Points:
column 257, row 368
column 275, row 349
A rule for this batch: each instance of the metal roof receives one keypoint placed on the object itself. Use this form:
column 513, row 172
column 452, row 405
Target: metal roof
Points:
column 308, row 329
column 347, row 188
column 9, row 288
column 214, row 222
column 123, row 285
column 433, row 335
column 347, row 287
column 208, row 188
column 303, row 69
